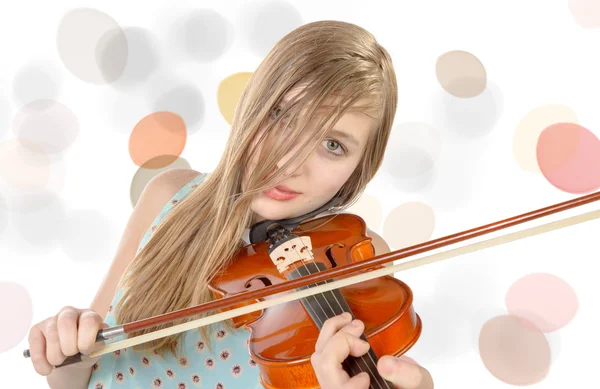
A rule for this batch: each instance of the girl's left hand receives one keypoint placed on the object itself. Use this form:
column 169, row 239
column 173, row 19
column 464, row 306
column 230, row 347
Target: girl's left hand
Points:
column 340, row 338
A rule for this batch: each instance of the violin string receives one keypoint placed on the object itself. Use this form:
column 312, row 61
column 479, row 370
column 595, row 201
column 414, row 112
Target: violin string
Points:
column 321, row 325
column 361, row 358
column 376, row 376
column 321, row 322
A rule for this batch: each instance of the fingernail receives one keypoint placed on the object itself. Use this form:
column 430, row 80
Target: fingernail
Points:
column 347, row 315
column 355, row 323
column 386, row 366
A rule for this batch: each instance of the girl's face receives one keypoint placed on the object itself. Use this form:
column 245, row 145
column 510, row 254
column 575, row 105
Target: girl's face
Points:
column 322, row 175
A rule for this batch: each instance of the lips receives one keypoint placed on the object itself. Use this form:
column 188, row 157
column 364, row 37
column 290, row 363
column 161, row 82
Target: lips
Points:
column 286, row 189
column 277, row 194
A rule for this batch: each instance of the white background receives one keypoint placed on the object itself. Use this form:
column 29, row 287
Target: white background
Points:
column 534, row 53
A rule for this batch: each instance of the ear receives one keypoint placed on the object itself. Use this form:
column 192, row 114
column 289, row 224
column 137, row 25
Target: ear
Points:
column 379, row 244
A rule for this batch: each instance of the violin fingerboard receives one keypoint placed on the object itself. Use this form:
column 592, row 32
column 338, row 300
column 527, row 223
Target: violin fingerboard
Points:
column 326, row 305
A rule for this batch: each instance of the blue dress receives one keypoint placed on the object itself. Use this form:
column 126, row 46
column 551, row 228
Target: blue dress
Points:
column 229, row 367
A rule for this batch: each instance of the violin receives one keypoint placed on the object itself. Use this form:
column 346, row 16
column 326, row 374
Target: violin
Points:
column 325, row 266
column 282, row 338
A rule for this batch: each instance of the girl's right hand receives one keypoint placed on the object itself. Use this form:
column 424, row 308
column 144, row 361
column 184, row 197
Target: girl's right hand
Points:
column 69, row 332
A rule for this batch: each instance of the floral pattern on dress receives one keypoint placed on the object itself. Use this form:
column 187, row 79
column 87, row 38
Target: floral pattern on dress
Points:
column 196, row 367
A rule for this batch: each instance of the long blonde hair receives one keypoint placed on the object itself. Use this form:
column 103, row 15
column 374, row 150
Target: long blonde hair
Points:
column 200, row 235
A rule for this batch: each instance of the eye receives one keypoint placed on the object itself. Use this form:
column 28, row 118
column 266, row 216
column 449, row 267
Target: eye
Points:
column 333, row 142
column 278, row 109
column 275, row 112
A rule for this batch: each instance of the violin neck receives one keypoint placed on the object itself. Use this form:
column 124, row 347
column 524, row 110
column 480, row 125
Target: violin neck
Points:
column 329, row 304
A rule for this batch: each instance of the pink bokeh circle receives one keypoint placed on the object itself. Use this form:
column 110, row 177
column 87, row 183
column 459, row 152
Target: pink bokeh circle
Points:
column 513, row 353
column 17, row 311
column 569, row 157
column 544, row 300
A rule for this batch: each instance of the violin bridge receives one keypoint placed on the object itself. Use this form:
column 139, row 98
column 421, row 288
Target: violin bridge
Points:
column 298, row 249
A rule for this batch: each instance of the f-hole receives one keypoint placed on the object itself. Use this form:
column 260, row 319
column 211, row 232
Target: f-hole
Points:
column 330, row 255
column 266, row 281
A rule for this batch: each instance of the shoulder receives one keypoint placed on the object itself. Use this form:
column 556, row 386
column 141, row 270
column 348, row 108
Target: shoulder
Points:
column 162, row 187
column 170, row 181
column 159, row 196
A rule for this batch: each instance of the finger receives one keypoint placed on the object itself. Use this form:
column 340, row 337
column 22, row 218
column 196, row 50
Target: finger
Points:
column 359, row 381
column 327, row 363
column 89, row 325
column 37, row 351
column 330, row 327
column 355, row 328
column 342, row 344
column 328, row 378
column 404, row 374
column 67, row 330
column 54, row 353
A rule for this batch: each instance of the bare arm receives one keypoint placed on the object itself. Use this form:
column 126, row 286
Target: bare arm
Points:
column 152, row 200
column 154, row 197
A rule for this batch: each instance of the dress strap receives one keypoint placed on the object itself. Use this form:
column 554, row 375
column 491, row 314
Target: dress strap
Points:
column 180, row 195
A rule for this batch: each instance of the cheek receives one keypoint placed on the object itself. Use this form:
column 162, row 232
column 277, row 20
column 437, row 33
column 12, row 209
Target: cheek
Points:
column 329, row 178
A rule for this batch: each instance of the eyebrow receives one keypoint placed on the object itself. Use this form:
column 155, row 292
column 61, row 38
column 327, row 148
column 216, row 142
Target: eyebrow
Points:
column 349, row 137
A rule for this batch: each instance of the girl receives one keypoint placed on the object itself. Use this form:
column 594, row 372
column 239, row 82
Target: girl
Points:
column 312, row 124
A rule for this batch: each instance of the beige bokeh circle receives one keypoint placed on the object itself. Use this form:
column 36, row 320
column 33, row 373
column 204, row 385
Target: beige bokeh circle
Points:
column 461, row 74
column 586, row 12
column 409, row 224
column 369, row 209
column 30, row 178
column 24, row 166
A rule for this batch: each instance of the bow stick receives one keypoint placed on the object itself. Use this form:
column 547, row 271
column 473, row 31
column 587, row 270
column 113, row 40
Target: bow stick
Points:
column 338, row 272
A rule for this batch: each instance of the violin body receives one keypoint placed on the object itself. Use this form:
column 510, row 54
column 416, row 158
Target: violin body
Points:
column 282, row 338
